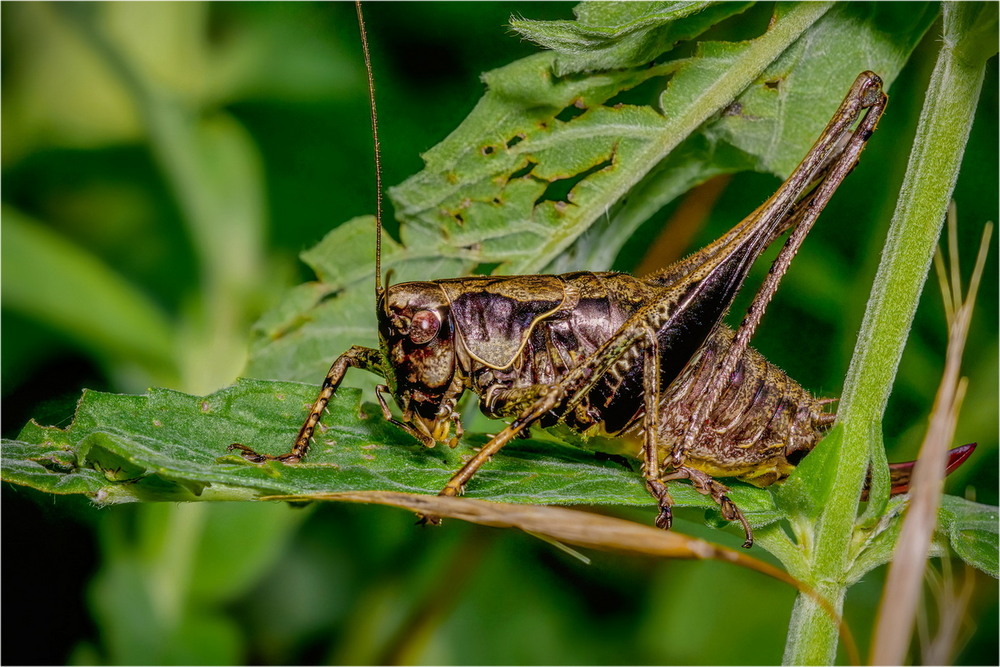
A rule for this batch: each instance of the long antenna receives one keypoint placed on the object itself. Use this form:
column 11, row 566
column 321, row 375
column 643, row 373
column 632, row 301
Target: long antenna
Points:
column 378, row 158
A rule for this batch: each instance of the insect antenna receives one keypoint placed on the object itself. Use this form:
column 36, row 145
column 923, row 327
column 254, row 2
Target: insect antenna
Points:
column 379, row 290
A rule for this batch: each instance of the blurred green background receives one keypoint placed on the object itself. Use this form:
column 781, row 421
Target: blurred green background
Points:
column 120, row 274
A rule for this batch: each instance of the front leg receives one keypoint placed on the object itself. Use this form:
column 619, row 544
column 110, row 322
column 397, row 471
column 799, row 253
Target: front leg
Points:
column 635, row 341
column 539, row 399
column 356, row 357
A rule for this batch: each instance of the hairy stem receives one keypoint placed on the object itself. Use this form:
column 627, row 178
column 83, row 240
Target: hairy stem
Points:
column 943, row 130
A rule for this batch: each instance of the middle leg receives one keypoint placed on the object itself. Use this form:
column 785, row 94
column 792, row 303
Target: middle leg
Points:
column 651, row 430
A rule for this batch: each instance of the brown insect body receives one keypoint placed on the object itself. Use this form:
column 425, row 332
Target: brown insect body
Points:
column 499, row 336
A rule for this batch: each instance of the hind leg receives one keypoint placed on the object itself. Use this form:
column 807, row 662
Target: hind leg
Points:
column 705, row 484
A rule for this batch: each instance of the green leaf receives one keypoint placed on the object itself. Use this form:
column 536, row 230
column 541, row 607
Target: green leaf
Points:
column 611, row 35
column 48, row 277
column 941, row 135
column 972, row 530
column 520, row 184
column 170, row 446
column 806, row 488
column 875, row 545
column 775, row 120
column 966, row 528
column 541, row 158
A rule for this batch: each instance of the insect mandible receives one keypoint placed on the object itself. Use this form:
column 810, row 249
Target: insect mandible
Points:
column 644, row 359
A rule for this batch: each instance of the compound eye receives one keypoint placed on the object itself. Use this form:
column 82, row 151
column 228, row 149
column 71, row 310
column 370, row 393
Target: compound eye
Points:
column 424, row 326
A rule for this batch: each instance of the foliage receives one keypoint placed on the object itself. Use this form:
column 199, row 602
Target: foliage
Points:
column 168, row 446
column 523, row 184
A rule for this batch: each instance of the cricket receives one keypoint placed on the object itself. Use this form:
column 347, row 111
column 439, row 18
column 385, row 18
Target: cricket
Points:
column 647, row 360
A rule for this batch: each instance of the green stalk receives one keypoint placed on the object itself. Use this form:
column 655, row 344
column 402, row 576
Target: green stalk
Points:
column 943, row 130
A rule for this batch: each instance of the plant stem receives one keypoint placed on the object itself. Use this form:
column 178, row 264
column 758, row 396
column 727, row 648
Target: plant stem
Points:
column 942, row 133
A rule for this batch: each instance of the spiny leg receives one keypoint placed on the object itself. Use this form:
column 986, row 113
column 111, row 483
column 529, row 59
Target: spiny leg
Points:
column 832, row 160
column 656, row 482
column 703, row 483
column 535, row 401
column 356, row 357
column 547, row 397
column 680, row 312
column 651, row 430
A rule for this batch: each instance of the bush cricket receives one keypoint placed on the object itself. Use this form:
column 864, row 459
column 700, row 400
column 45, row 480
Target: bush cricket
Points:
column 647, row 360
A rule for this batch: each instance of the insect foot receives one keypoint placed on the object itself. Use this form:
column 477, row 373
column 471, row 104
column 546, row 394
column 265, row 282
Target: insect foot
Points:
column 657, row 489
column 703, row 483
column 428, row 520
column 254, row 457
column 450, row 490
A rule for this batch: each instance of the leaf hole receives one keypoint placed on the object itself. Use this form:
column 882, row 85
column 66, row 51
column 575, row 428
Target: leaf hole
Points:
column 572, row 111
column 646, row 93
column 522, row 172
column 488, row 150
column 486, row 268
column 329, row 296
column 515, row 140
column 560, row 190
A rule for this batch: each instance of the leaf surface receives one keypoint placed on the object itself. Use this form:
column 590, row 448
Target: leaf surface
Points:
column 166, row 445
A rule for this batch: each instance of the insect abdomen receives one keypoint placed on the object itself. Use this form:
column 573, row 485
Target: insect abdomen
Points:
column 762, row 417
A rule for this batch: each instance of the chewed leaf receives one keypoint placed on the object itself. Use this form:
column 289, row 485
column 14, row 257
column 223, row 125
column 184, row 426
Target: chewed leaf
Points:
column 542, row 158
column 772, row 115
column 491, row 182
column 610, row 35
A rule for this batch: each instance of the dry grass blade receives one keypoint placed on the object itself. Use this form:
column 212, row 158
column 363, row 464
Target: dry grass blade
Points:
column 582, row 529
column 902, row 591
column 950, row 605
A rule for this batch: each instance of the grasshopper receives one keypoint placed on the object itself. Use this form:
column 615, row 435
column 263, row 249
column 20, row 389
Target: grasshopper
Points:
column 609, row 354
